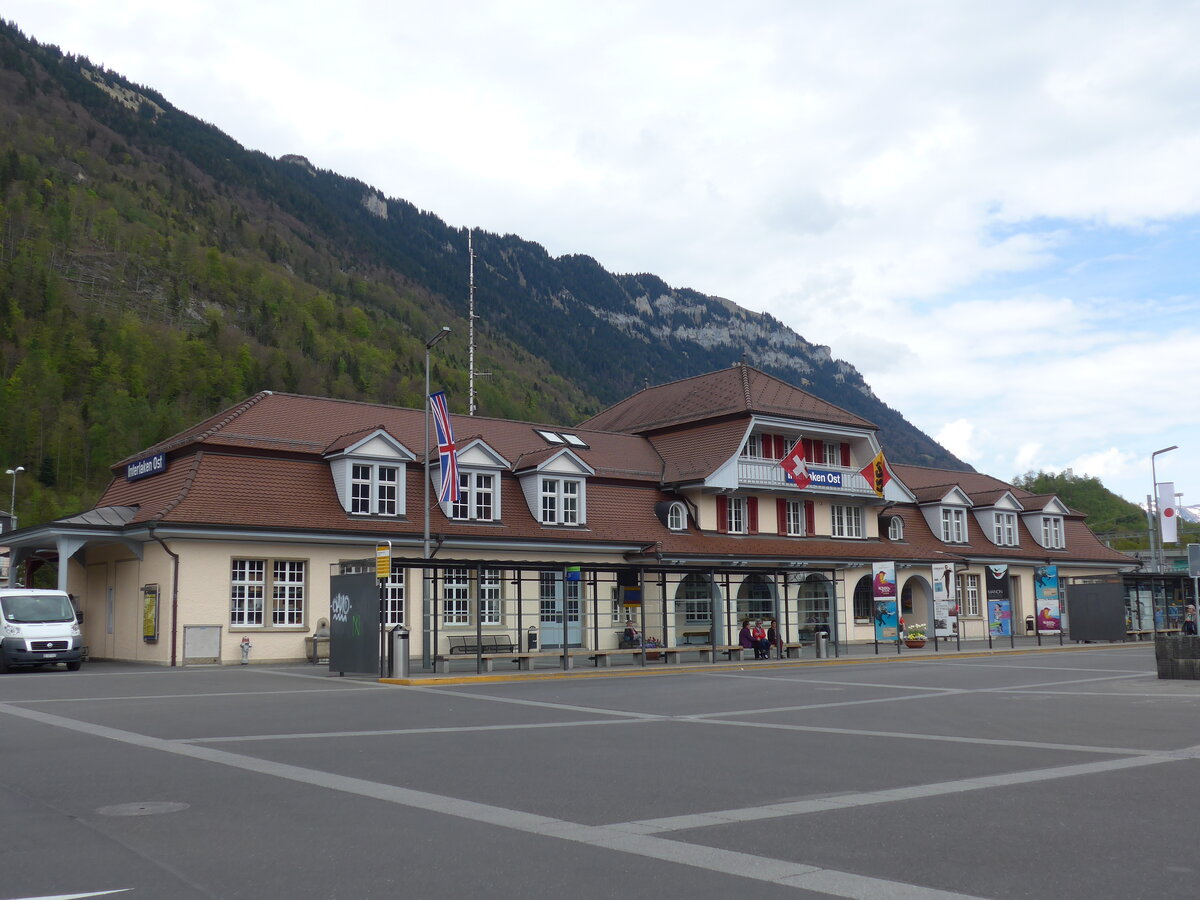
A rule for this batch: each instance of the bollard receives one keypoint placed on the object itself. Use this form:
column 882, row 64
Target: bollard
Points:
column 822, row 649
column 246, row 645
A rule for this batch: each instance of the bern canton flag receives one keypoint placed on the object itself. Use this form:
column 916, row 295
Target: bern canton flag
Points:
column 447, row 454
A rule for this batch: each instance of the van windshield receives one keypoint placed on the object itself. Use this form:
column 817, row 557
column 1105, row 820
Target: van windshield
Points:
column 27, row 608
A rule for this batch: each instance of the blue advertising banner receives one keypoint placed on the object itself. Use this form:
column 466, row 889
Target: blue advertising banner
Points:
column 883, row 593
column 1049, row 604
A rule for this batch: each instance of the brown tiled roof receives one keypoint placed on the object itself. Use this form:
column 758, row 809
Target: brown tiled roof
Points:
column 739, row 389
column 694, row 453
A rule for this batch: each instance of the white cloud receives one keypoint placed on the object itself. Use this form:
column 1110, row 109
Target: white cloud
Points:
column 948, row 195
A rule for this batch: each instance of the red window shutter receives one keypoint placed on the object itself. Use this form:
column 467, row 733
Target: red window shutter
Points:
column 810, row 453
column 810, row 517
column 722, row 513
column 781, row 514
column 846, row 455
column 780, row 446
column 752, row 515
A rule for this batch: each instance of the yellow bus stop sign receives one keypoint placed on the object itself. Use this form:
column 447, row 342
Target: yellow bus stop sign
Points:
column 383, row 560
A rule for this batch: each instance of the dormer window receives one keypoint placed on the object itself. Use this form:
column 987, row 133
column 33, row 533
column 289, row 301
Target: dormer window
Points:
column 374, row 489
column 368, row 471
column 896, row 529
column 1052, row 532
column 562, row 500
column 476, row 497
column 677, row 517
column 954, row 525
column 753, row 446
column 1004, row 529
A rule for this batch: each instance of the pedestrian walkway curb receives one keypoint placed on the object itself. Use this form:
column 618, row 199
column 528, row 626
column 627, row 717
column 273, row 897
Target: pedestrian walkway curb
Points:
column 701, row 668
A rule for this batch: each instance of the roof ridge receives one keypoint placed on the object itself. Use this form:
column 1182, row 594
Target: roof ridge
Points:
column 184, row 489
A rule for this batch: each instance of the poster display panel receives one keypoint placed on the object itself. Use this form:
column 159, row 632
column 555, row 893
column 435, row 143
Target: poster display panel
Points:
column 883, row 594
column 1049, row 603
column 999, row 603
column 945, row 601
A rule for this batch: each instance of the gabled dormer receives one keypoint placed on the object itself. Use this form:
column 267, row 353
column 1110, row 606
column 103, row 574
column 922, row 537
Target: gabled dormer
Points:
column 555, row 486
column 369, row 469
column 997, row 513
column 1044, row 516
column 479, row 482
column 945, row 509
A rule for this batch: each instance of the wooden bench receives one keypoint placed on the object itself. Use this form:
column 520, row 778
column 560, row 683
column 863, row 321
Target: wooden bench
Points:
column 486, row 643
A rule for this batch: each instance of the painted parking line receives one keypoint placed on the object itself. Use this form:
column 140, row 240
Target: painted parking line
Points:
column 785, row 873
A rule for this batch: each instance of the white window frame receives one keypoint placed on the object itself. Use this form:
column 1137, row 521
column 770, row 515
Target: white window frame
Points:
column 735, row 515
column 393, row 599
column 954, row 525
column 753, row 448
column 831, row 453
column 250, row 586
column 477, row 497
column 968, row 592
column 375, row 488
column 561, row 500
column 845, row 521
column 794, row 519
column 491, row 597
column 1052, row 532
column 677, row 517
column 896, row 529
column 456, row 597
column 1004, row 529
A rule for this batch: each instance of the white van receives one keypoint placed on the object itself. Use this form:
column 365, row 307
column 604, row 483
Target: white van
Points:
column 38, row 628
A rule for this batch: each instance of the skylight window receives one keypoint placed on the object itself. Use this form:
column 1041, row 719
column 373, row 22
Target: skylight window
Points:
column 558, row 439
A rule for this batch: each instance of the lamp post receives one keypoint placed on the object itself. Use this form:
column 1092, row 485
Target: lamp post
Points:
column 1158, row 557
column 426, row 611
column 12, row 506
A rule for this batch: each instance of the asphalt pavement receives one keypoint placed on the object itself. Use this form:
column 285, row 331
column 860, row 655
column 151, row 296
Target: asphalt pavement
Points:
column 1061, row 773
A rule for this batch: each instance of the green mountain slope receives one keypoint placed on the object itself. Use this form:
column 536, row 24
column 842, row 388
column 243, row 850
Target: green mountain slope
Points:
column 152, row 270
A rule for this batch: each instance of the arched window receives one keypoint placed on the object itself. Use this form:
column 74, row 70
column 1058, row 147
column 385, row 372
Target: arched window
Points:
column 756, row 598
column 862, row 599
column 693, row 600
column 815, row 603
column 677, row 518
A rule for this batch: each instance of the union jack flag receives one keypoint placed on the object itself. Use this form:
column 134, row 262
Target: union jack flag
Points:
column 447, row 453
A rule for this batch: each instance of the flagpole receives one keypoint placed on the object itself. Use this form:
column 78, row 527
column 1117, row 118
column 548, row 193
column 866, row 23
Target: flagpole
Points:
column 426, row 600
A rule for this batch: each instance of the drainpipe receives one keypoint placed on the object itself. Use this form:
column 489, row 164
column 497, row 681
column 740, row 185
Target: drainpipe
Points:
column 174, row 591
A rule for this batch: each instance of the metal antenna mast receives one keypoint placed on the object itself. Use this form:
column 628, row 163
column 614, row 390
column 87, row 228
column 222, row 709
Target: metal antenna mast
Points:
column 472, row 404
column 471, row 327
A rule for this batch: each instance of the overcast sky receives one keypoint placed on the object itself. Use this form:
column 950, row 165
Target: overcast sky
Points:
column 991, row 210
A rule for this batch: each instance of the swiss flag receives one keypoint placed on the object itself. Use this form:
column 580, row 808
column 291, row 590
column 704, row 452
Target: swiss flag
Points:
column 796, row 467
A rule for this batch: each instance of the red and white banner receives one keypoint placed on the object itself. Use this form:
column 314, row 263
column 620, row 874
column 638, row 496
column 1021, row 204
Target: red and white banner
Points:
column 1167, row 513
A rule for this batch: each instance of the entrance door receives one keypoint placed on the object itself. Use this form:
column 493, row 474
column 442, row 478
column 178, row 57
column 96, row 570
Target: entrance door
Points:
column 550, row 624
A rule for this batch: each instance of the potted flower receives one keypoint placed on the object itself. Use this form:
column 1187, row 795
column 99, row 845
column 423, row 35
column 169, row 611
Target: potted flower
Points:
column 652, row 648
column 915, row 636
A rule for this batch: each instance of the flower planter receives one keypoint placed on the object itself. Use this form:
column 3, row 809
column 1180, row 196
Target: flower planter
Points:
column 915, row 643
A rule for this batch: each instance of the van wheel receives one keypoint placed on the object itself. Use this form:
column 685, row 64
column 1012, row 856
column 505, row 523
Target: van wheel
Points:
column 74, row 666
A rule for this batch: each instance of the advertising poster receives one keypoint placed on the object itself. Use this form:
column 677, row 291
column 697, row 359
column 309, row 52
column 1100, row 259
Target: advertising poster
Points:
column 883, row 593
column 998, row 602
column 1049, row 610
column 150, row 613
column 945, row 601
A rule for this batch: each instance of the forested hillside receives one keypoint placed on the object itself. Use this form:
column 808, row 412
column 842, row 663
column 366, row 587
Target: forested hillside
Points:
column 152, row 271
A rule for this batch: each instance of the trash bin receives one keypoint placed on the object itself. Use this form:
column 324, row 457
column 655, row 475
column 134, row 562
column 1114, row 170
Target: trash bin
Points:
column 532, row 638
column 821, row 645
column 400, row 652
column 1029, row 626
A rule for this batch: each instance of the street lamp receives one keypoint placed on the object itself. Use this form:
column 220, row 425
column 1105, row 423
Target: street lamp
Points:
column 1158, row 558
column 12, row 506
column 426, row 612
